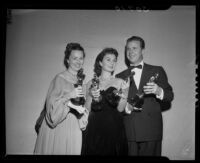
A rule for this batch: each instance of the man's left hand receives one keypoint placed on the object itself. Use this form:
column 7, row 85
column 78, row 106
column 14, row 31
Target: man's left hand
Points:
column 152, row 88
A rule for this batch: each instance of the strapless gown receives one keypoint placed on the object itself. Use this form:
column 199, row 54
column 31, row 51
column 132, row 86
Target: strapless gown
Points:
column 105, row 133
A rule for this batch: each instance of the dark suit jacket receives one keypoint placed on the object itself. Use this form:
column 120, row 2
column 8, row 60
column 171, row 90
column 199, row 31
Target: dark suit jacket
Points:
column 147, row 125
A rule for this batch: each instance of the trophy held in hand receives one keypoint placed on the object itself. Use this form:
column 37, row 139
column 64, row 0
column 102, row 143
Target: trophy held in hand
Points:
column 95, row 100
column 95, row 86
column 138, row 100
column 79, row 100
column 76, row 104
column 120, row 92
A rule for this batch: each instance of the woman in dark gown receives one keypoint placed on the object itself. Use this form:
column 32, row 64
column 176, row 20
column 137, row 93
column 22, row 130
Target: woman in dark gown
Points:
column 105, row 133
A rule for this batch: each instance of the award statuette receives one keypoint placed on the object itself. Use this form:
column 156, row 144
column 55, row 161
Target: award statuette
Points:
column 114, row 95
column 79, row 100
column 96, row 104
column 76, row 104
column 137, row 101
column 120, row 92
column 95, row 86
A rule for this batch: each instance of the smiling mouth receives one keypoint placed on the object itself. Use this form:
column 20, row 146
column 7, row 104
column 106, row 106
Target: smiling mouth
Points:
column 132, row 55
column 77, row 66
column 111, row 67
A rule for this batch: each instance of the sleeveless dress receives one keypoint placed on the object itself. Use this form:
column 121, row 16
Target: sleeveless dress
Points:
column 105, row 133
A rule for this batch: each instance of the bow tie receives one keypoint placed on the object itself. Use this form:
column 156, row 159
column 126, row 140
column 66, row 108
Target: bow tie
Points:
column 138, row 66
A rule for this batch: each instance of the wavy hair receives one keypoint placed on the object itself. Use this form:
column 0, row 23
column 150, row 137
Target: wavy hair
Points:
column 97, row 66
column 68, row 50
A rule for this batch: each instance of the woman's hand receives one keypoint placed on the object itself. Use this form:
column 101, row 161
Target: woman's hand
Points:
column 124, row 88
column 77, row 92
column 125, row 84
column 94, row 92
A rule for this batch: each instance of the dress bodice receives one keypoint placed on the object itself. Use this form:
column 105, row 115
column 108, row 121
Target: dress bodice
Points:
column 109, row 100
column 105, row 133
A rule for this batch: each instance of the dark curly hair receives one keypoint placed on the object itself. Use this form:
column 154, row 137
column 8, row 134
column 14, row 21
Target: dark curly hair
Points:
column 68, row 50
column 97, row 66
column 133, row 38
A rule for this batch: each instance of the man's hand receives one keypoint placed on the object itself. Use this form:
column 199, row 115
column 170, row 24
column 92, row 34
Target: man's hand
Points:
column 152, row 88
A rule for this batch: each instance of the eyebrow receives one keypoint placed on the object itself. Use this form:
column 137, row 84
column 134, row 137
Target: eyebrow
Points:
column 77, row 57
column 111, row 58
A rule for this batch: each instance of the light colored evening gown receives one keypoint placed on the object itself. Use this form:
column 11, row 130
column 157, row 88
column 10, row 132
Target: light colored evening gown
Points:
column 61, row 131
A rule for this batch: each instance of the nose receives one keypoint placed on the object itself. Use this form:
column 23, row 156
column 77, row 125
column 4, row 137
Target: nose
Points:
column 112, row 63
column 79, row 61
column 130, row 51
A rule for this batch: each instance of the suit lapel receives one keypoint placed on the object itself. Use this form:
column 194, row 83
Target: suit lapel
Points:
column 133, row 89
column 123, row 74
column 144, row 77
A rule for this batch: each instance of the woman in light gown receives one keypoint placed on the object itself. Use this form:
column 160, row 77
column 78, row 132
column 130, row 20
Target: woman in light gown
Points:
column 105, row 132
column 61, row 129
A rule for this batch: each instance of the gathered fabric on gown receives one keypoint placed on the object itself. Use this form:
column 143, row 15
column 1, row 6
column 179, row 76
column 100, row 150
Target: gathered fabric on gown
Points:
column 105, row 133
column 61, row 131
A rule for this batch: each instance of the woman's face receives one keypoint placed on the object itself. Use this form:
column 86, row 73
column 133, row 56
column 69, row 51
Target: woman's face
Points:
column 109, row 62
column 76, row 60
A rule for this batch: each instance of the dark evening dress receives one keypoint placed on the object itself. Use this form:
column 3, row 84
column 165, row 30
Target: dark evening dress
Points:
column 105, row 133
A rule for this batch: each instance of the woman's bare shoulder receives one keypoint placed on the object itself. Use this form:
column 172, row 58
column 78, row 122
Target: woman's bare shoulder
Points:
column 118, row 81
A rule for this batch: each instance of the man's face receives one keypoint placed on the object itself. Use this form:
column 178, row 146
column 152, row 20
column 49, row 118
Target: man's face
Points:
column 134, row 52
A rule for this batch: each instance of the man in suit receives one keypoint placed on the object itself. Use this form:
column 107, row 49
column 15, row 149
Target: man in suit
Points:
column 144, row 126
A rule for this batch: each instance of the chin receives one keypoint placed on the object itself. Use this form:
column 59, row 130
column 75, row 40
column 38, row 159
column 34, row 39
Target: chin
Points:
column 132, row 59
column 111, row 70
column 77, row 68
